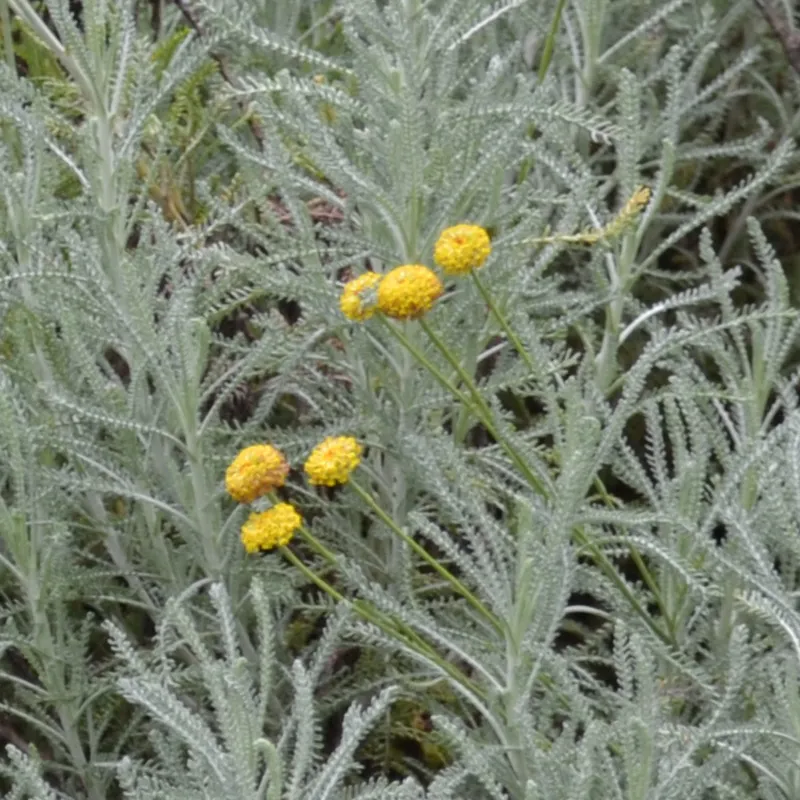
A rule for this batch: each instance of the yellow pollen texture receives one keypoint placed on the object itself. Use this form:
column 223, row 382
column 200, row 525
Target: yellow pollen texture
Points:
column 409, row 291
column 272, row 528
column 355, row 302
column 461, row 249
column 332, row 461
column 256, row 470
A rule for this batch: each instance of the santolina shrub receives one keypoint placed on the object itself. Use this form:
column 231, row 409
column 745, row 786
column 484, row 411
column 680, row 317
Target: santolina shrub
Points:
column 511, row 514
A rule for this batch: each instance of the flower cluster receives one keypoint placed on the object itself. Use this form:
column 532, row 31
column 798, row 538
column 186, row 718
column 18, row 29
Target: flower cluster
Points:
column 332, row 461
column 260, row 469
column 272, row 528
column 461, row 249
column 405, row 292
column 410, row 290
column 357, row 301
column 256, row 471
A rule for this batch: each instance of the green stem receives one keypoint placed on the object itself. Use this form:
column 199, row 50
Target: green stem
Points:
column 549, row 44
column 425, row 362
column 8, row 39
column 485, row 413
column 608, row 568
column 427, row 557
column 653, row 586
column 326, row 587
column 503, row 322
column 51, row 41
column 477, row 397
column 394, row 628
column 607, row 360
column 273, row 772
column 206, row 525
column 544, row 66
column 642, row 567
column 317, row 545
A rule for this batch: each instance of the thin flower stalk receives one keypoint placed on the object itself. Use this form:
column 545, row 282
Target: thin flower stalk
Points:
column 503, row 323
column 428, row 365
column 485, row 413
column 428, row 558
column 391, row 627
column 479, row 405
column 608, row 568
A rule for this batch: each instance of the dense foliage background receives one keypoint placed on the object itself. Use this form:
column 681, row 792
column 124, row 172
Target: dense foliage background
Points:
column 568, row 565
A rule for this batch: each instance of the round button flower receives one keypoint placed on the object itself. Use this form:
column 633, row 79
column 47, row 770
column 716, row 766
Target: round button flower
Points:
column 409, row 291
column 358, row 298
column 461, row 249
column 332, row 460
column 254, row 472
column 266, row 530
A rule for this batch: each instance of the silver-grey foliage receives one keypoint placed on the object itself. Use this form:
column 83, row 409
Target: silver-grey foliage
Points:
column 641, row 641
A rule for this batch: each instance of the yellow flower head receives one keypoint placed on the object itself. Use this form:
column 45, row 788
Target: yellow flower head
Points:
column 272, row 528
column 409, row 291
column 358, row 297
column 461, row 249
column 332, row 460
column 254, row 472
